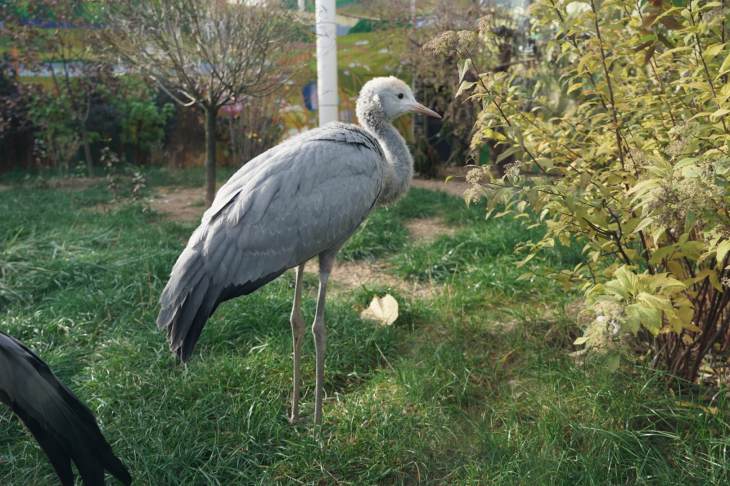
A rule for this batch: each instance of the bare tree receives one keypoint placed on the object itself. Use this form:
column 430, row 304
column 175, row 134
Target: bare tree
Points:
column 204, row 53
column 75, row 75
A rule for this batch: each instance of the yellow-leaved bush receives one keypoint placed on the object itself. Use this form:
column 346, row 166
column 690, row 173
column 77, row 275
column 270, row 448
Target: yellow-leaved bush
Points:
column 614, row 128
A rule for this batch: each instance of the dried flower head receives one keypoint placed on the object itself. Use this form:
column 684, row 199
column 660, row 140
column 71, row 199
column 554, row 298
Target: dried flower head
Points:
column 446, row 43
column 512, row 172
column 467, row 40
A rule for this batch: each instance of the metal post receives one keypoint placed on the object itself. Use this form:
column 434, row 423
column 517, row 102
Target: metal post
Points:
column 326, row 29
column 414, row 73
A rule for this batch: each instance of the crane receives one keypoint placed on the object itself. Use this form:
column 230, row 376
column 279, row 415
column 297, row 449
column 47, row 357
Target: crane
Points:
column 63, row 426
column 300, row 199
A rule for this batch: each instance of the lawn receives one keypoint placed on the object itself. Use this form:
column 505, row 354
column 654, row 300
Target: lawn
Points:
column 473, row 385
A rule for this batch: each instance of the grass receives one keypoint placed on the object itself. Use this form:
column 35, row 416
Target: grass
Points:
column 473, row 386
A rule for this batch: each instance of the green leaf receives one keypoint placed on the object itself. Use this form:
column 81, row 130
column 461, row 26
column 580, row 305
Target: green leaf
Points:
column 644, row 223
column 725, row 67
column 722, row 250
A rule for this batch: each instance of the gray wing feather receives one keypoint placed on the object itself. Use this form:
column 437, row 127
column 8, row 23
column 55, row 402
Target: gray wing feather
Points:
column 300, row 198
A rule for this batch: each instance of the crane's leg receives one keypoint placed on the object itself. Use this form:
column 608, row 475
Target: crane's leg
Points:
column 326, row 262
column 297, row 331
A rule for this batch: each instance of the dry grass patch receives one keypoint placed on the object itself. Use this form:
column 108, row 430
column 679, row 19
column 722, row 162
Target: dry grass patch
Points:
column 453, row 187
column 184, row 204
column 73, row 183
column 349, row 275
column 426, row 230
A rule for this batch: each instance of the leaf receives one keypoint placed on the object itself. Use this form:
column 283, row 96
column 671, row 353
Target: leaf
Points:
column 644, row 223
column 464, row 87
column 577, row 8
column 574, row 87
column 648, row 317
column 464, row 69
column 580, row 340
column 725, row 67
column 722, row 250
column 383, row 310
column 719, row 114
column 714, row 50
column 524, row 261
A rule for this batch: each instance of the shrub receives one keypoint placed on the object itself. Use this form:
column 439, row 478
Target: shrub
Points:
column 141, row 118
column 16, row 129
column 620, row 137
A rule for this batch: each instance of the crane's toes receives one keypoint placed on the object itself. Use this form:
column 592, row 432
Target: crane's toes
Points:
column 298, row 419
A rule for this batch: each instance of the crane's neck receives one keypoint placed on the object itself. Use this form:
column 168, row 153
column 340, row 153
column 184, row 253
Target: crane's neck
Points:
column 399, row 168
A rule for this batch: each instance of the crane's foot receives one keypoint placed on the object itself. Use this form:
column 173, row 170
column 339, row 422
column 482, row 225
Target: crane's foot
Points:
column 298, row 418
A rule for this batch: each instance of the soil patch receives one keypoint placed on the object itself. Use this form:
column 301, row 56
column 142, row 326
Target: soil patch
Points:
column 454, row 187
column 350, row 275
column 185, row 204
column 426, row 230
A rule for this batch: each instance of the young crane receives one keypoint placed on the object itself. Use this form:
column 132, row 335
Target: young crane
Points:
column 301, row 199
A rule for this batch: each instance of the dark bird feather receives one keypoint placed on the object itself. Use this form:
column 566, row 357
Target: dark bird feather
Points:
column 63, row 426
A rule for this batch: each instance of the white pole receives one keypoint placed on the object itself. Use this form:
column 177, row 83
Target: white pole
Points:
column 301, row 5
column 326, row 29
column 414, row 72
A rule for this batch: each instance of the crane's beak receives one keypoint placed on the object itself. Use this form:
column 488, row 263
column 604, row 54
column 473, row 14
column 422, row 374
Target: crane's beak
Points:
column 419, row 108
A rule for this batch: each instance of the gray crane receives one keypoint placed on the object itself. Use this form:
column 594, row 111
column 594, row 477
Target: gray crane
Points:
column 301, row 199
column 64, row 427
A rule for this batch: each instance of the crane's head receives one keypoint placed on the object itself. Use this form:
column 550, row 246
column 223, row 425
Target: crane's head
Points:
column 388, row 97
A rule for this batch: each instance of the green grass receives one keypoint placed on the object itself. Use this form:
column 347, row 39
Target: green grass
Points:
column 473, row 386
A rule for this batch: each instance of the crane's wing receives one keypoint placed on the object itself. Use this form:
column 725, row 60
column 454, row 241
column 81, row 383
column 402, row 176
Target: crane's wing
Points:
column 293, row 202
column 63, row 426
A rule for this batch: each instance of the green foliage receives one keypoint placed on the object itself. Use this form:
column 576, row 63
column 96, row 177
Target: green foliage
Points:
column 142, row 121
column 57, row 138
column 370, row 25
column 41, row 11
column 618, row 127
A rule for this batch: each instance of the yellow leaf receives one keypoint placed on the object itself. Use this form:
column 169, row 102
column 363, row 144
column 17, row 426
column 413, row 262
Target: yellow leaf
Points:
column 574, row 87
column 725, row 66
column 722, row 250
column 719, row 114
column 580, row 340
column 383, row 310
column 714, row 50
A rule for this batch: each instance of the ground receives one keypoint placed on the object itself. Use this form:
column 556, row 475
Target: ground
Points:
column 473, row 384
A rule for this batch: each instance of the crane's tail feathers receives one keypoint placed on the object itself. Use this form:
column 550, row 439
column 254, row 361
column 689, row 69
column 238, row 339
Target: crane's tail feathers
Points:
column 191, row 297
column 185, row 304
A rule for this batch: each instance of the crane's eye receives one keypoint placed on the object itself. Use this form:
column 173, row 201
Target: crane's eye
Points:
column 400, row 96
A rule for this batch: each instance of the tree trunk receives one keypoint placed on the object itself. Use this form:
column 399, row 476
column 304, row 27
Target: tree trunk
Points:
column 87, row 152
column 233, row 140
column 210, row 125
